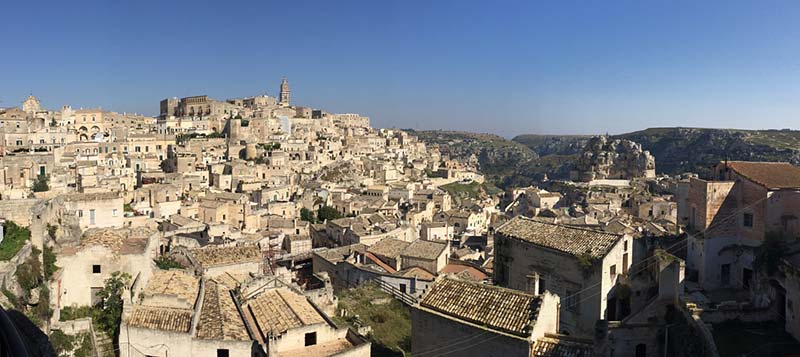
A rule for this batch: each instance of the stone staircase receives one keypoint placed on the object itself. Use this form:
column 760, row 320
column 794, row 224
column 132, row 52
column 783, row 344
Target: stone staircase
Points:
column 103, row 346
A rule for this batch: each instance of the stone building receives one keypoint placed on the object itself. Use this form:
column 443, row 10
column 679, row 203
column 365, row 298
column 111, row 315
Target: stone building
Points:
column 580, row 266
column 460, row 318
column 286, row 323
column 101, row 252
column 731, row 215
column 285, row 93
column 96, row 210
column 179, row 314
column 235, row 260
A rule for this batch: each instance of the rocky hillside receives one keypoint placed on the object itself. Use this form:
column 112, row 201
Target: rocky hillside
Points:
column 527, row 158
column 604, row 158
column 545, row 145
column 495, row 156
column 679, row 150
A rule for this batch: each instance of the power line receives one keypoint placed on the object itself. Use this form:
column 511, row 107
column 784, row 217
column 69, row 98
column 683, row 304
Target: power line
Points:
column 685, row 241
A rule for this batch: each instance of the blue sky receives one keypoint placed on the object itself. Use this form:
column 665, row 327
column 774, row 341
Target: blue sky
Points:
column 507, row 67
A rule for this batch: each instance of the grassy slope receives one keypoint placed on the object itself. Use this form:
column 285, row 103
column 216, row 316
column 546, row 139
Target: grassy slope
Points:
column 390, row 319
column 14, row 239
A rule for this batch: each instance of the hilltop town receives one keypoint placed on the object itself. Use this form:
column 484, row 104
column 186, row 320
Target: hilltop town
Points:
column 257, row 227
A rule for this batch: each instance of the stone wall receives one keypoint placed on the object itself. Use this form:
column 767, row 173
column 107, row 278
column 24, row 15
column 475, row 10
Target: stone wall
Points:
column 18, row 211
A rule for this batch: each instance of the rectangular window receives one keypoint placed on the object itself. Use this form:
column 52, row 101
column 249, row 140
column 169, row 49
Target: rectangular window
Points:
column 80, row 213
column 96, row 269
column 223, row 352
column 625, row 246
column 542, row 285
column 532, row 280
column 613, row 270
column 747, row 220
column 311, row 338
column 114, row 212
column 91, row 216
column 625, row 263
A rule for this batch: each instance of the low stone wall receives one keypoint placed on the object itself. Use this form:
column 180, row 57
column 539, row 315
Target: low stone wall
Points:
column 743, row 314
column 9, row 268
column 73, row 327
column 18, row 211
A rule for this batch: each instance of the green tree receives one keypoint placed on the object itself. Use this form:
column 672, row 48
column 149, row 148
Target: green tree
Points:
column 166, row 263
column 51, row 231
column 110, row 303
column 328, row 212
column 29, row 274
column 62, row 343
column 41, row 183
column 307, row 215
column 49, row 262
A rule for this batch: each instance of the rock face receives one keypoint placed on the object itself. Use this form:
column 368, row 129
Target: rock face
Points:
column 604, row 158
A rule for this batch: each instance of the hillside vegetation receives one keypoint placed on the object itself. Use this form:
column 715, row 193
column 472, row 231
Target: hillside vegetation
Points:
column 496, row 156
column 679, row 150
column 525, row 159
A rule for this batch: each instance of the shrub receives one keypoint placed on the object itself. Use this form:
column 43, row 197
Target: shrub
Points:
column 109, row 305
column 166, row 263
column 49, row 262
column 62, row 343
column 14, row 239
column 51, row 231
column 41, row 183
column 328, row 212
column 29, row 274
column 76, row 312
column 307, row 215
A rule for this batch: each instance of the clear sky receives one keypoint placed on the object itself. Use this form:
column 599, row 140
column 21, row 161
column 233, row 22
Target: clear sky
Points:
column 492, row 66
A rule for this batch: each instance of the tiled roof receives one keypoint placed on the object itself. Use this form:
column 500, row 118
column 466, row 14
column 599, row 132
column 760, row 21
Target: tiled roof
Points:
column 773, row 175
column 161, row 318
column 494, row 307
column 466, row 272
column 560, row 346
column 424, row 249
column 216, row 256
column 219, row 319
column 377, row 261
column 338, row 254
column 93, row 196
column 417, row 272
column 388, row 247
column 279, row 310
column 566, row 239
column 120, row 241
column 175, row 282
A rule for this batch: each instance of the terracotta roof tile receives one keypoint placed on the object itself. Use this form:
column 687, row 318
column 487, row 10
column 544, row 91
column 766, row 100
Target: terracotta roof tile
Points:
column 388, row 247
column 178, row 283
column 566, row 239
column 424, row 249
column 553, row 346
column 219, row 319
column 161, row 318
column 279, row 310
column 216, row 256
column 496, row 308
column 773, row 175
